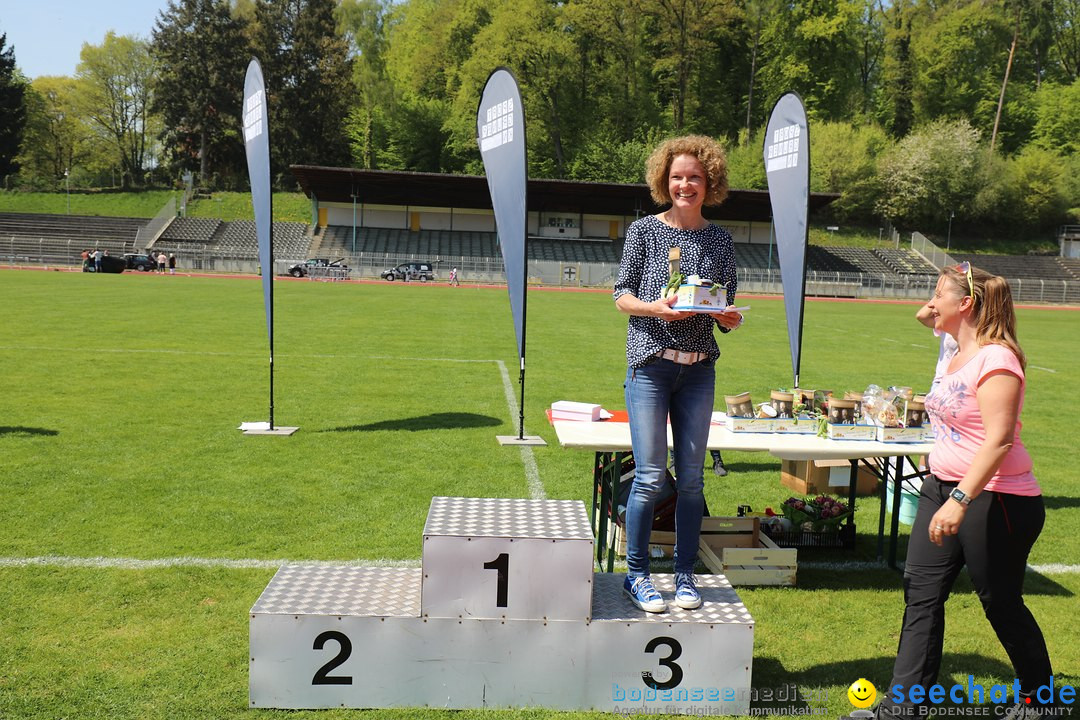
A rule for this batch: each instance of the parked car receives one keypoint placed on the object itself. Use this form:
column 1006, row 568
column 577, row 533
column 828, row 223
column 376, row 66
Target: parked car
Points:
column 109, row 264
column 140, row 261
column 305, row 268
column 421, row 271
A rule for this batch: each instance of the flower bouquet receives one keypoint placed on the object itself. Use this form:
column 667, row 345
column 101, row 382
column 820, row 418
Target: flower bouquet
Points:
column 821, row 513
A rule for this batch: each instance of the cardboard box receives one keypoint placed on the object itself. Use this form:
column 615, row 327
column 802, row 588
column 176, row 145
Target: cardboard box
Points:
column 805, row 426
column 851, row 432
column 902, row 435
column 815, row 477
column 740, row 425
column 700, row 297
column 568, row 410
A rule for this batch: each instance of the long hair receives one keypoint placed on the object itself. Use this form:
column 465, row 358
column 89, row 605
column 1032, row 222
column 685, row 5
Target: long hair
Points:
column 993, row 313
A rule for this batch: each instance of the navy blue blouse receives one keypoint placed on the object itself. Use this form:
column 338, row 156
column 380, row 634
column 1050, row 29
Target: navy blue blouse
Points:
column 708, row 253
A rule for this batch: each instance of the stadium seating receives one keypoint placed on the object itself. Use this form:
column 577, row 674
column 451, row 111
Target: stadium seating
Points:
column 1035, row 267
column 191, row 230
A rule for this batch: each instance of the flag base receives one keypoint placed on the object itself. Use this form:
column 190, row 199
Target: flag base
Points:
column 515, row 440
column 263, row 428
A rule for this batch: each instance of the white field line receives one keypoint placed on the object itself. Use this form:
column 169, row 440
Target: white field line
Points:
column 1039, row 367
column 532, row 472
column 120, row 563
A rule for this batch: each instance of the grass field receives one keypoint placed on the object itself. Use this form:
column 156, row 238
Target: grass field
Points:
column 121, row 398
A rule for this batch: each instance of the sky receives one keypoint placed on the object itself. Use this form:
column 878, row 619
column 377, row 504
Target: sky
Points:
column 48, row 34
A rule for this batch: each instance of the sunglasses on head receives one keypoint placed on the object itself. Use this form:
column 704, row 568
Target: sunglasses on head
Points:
column 965, row 267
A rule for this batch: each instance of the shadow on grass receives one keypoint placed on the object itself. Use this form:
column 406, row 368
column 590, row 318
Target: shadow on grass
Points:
column 435, row 421
column 20, row 430
column 1056, row 502
column 771, row 674
column 817, row 573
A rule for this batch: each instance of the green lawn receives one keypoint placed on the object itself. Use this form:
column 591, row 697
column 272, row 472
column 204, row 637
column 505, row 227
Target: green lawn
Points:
column 121, row 397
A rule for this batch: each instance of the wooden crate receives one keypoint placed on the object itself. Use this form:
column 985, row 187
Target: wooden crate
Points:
column 718, row 532
column 766, row 564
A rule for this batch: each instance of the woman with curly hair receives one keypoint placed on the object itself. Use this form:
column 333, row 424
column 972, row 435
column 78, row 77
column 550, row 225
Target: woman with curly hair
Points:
column 671, row 354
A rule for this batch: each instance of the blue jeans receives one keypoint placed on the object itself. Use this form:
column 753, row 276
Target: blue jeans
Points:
column 653, row 392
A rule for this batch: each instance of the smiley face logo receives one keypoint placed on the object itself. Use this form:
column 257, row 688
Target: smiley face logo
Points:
column 861, row 693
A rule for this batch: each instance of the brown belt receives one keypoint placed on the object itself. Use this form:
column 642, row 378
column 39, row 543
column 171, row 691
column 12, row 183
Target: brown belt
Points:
column 682, row 357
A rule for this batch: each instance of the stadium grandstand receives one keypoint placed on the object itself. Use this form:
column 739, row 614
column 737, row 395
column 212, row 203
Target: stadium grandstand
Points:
column 374, row 221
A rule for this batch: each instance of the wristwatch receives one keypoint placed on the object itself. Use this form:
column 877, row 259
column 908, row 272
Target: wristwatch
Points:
column 960, row 496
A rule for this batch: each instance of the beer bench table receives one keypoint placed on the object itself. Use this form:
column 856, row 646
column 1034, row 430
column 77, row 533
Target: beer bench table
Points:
column 610, row 441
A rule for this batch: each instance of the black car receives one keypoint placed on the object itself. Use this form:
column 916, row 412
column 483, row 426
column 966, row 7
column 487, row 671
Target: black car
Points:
column 140, row 261
column 109, row 264
column 421, row 271
column 311, row 266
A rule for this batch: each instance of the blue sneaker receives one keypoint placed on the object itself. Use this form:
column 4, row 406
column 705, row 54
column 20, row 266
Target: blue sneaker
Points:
column 686, row 595
column 643, row 594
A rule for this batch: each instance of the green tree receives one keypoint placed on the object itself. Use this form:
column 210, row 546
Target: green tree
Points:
column 896, row 100
column 202, row 56
column 959, row 57
column 1037, row 188
column 56, row 138
column 934, row 171
column 845, row 161
column 363, row 23
column 812, row 49
column 115, row 81
column 1057, row 109
column 308, row 75
column 685, row 33
column 1065, row 27
column 12, row 109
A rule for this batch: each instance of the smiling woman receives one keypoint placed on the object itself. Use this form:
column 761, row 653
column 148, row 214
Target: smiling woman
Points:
column 670, row 353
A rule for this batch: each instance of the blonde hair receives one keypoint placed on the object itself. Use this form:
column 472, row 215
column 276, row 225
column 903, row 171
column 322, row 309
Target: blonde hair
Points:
column 708, row 152
column 993, row 311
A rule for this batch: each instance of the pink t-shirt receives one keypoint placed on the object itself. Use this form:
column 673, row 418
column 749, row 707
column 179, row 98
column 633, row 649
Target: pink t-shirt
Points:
column 958, row 428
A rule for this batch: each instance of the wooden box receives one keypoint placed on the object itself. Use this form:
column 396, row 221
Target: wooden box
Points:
column 766, row 564
column 806, row 477
column 716, row 532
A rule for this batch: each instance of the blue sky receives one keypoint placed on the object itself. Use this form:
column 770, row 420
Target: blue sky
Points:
column 48, row 34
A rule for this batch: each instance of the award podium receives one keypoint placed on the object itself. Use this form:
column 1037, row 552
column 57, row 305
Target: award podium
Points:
column 505, row 612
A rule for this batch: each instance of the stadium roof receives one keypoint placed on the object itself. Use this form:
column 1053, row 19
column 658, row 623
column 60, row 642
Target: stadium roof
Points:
column 391, row 187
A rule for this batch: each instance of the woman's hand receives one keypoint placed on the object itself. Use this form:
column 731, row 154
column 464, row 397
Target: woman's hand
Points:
column 662, row 309
column 946, row 521
column 728, row 319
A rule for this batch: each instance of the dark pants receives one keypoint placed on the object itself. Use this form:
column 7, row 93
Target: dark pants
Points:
column 994, row 541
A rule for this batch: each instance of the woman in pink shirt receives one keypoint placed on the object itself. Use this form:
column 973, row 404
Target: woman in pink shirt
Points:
column 981, row 506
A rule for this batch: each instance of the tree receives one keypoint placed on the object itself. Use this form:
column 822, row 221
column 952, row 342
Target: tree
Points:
column 12, row 109
column 1057, row 127
column 56, row 139
column 1066, row 32
column 685, row 32
column 363, row 23
column 308, row 75
column 932, row 172
column 202, row 55
column 898, row 73
column 115, row 94
column 811, row 48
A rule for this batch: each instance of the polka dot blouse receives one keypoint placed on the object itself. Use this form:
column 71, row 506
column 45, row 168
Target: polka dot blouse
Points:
column 707, row 253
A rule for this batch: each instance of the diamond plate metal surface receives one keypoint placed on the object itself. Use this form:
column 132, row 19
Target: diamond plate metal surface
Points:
column 342, row 590
column 500, row 517
column 720, row 603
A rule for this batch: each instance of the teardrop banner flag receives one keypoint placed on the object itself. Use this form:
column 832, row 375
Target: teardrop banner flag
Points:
column 500, row 133
column 787, row 168
column 257, row 146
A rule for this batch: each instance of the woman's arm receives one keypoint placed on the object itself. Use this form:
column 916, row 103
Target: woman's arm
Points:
column 629, row 304
column 999, row 401
column 925, row 316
